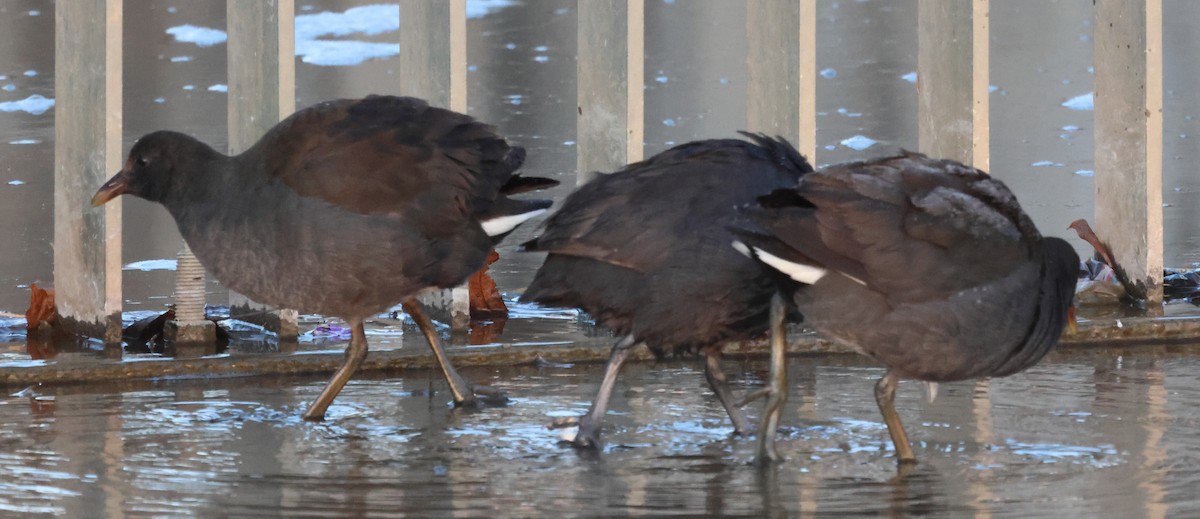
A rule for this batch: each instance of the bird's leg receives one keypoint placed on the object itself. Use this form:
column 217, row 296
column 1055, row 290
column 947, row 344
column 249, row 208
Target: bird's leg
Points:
column 356, row 353
column 463, row 392
column 716, row 380
column 776, row 383
column 589, row 424
column 885, row 396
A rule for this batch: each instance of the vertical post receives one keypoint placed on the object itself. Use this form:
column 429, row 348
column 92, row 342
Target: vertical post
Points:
column 952, row 71
column 1129, row 140
column 87, row 150
column 433, row 66
column 775, row 82
column 262, row 91
column 611, row 79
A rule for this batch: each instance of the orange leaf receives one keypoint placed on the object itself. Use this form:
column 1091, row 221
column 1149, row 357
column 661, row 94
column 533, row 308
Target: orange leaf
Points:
column 41, row 307
column 486, row 302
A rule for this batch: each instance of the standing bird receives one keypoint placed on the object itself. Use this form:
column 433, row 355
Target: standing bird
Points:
column 646, row 252
column 344, row 208
column 928, row 266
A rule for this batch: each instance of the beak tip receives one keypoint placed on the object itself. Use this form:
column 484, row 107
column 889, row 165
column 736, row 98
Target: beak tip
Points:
column 115, row 187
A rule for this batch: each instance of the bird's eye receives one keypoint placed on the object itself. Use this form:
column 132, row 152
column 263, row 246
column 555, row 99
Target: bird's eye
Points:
column 141, row 161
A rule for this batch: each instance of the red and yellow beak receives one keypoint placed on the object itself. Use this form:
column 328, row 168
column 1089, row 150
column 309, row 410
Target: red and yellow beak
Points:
column 1072, row 324
column 116, row 186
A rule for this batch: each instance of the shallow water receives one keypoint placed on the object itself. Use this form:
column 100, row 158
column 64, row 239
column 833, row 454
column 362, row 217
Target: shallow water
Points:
column 1095, row 434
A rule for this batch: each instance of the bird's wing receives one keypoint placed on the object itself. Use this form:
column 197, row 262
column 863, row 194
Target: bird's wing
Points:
column 910, row 227
column 636, row 218
column 386, row 154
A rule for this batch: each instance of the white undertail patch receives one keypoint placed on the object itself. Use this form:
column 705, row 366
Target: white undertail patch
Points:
column 503, row 224
column 742, row 248
column 806, row 274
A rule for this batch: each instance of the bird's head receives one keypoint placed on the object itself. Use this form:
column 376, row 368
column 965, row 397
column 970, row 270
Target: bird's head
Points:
column 157, row 164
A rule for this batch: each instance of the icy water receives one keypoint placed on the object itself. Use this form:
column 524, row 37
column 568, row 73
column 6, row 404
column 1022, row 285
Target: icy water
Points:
column 1099, row 434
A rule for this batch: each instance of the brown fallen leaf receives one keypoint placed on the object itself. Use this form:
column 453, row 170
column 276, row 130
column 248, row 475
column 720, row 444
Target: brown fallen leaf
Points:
column 41, row 308
column 485, row 299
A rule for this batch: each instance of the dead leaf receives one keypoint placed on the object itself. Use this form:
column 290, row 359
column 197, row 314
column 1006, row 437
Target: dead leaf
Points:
column 41, row 308
column 485, row 299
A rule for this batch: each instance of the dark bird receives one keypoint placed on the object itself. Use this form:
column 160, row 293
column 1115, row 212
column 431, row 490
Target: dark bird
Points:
column 646, row 252
column 344, row 208
column 928, row 266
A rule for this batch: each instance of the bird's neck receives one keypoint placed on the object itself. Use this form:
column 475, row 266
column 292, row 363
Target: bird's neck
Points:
column 200, row 180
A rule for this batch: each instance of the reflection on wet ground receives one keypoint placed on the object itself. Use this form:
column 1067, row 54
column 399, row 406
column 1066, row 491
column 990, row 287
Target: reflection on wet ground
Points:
column 1087, row 434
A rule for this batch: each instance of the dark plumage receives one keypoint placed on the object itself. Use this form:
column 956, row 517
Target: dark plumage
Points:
column 344, row 208
column 928, row 266
column 646, row 251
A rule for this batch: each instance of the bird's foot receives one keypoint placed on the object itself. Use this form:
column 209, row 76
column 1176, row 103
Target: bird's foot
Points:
column 480, row 395
column 904, row 467
column 586, row 436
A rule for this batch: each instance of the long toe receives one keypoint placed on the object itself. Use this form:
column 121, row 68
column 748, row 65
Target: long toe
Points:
column 490, row 396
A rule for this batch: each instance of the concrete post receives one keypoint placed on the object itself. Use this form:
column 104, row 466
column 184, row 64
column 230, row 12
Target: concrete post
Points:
column 952, row 72
column 433, row 66
column 87, row 150
column 611, row 79
column 262, row 91
column 1129, row 138
column 781, row 70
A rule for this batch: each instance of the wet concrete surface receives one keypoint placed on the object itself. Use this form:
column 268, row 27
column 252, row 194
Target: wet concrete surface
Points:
column 1091, row 433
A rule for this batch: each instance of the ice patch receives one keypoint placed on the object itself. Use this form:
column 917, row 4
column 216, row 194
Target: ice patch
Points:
column 343, row 53
column 180, row 59
column 201, row 36
column 367, row 19
column 541, row 59
column 911, row 77
column 1081, row 102
column 1045, row 163
column 26, row 141
column 218, row 88
column 16, row 182
column 828, row 73
column 155, row 264
column 1085, row 173
column 31, row 73
column 481, row 8
column 34, row 104
column 668, row 122
column 859, row 142
column 10, row 87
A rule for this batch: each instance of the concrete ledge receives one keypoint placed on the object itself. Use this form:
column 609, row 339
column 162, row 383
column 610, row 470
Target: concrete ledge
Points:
column 1110, row 331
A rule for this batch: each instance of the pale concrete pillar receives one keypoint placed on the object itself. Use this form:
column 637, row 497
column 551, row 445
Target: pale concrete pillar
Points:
column 952, row 84
column 611, row 82
column 1129, row 139
column 433, row 67
column 781, row 71
column 87, row 150
column 262, row 91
